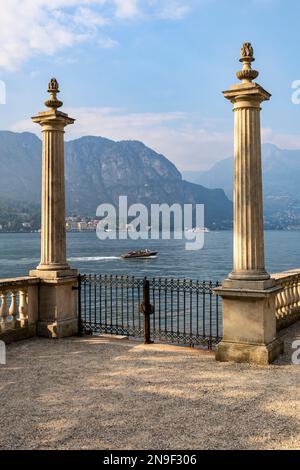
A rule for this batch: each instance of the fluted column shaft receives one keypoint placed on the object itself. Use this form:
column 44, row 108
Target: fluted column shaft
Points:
column 248, row 231
column 53, row 237
column 248, row 252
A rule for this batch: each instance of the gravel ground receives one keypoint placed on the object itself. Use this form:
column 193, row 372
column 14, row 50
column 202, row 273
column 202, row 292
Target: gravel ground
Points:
column 101, row 393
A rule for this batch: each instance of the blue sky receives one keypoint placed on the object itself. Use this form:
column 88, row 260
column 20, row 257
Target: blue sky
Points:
column 151, row 70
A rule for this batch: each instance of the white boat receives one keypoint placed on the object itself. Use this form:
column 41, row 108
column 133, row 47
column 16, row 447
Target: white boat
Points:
column 198, row 230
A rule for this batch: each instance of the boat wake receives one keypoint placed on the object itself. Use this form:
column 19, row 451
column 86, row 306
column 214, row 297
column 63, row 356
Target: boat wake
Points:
column 140, row 258
column 94, row 258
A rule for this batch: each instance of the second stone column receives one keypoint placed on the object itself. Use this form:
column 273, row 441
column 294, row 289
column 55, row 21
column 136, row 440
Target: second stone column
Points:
column 248, row 295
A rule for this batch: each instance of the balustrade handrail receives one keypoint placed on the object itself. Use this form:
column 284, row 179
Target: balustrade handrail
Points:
column 286, row 275
column 18, row 281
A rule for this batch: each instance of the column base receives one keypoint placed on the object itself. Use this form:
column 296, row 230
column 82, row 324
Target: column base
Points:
column 261, row 354
column 249, row 276
column 53, row 273
column 248, row 285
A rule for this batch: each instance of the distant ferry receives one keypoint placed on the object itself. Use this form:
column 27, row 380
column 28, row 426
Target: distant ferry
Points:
column 198, row 230
column 140, row 254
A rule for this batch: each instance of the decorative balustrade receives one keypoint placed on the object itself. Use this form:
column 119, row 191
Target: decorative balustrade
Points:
column 288, row 300
column 18, row 307
column 19, row 304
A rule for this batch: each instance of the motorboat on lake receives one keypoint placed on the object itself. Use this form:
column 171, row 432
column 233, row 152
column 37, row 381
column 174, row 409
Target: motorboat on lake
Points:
column 140, row 254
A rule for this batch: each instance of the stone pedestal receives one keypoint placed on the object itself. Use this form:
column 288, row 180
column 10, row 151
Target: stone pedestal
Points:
column 248, row 296
column 249, row 322
column 57, row 297
column 57, row 308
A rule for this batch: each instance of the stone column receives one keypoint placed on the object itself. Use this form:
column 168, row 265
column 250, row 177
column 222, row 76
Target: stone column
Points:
column 248, row 253
column 57, row 306
column 249, row 322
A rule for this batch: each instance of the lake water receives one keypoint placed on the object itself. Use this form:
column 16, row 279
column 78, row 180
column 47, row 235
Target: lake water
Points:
column 20, row 252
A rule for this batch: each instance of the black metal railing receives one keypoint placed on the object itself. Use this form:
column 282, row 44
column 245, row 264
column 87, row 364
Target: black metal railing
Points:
column 175, row 310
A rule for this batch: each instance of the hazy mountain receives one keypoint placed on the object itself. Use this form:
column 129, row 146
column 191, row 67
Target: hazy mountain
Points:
column 99, row 170
column 20, row 170
column 281, row 178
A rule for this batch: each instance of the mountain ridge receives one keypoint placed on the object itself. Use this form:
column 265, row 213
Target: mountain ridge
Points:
column 281, row 175
column 99, row 170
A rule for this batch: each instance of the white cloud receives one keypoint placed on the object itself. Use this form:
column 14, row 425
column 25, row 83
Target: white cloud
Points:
column 29, row 27
column 41, row 27
column 107, row 42
column 174, row 134
column 127, row 8
column 88, row 18
column 174, row 11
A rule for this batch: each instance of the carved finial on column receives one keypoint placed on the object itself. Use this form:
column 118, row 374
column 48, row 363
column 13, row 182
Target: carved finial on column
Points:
column 53, row 89
column 247, row 74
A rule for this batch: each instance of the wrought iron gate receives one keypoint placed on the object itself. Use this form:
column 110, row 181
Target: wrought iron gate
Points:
column 175, row 310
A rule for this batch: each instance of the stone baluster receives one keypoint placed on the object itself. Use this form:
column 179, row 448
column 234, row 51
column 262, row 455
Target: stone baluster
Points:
column 286, row 298
column 4, row 311
column 286, row 295
column 14, row 309
column 291, row 297
column 279, row 304
column 295, row 294
column 23, row 308
column 289, row 303
column 298, row 292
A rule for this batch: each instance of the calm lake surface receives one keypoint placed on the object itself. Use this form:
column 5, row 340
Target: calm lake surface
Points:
column 20, row 252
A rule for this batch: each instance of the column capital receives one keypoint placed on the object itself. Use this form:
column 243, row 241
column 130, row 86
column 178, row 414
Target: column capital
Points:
column 251, row 93
column 56, row 120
